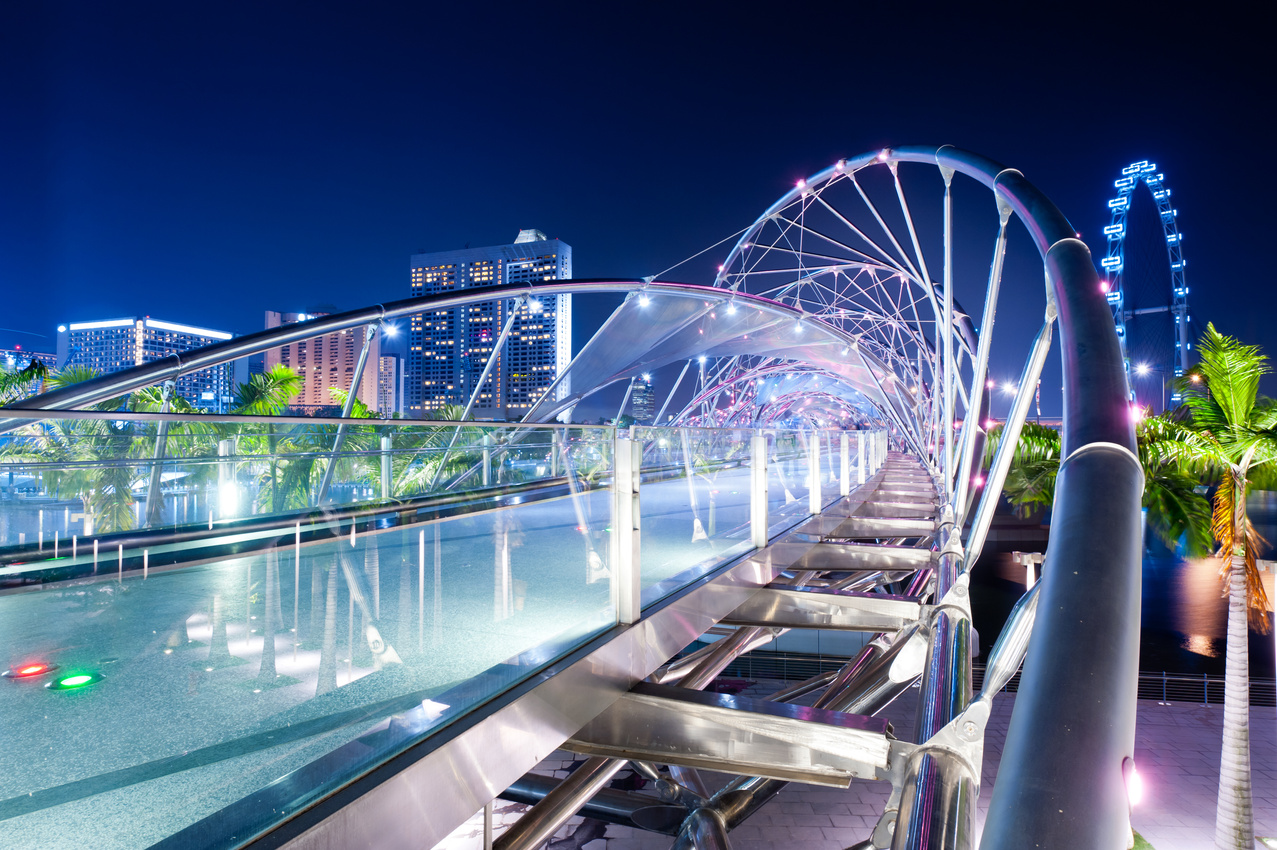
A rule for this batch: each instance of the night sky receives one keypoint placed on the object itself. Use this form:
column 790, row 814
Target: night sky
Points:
column 204, row 162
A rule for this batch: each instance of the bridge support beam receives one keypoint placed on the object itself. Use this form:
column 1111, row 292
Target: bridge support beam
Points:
column 733, row 734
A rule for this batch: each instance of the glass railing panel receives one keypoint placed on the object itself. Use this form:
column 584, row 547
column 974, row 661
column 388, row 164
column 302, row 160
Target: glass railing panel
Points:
column 64, row 478
column 301, row 650
column 694, row 503
column 830, row 466
column 787, row 484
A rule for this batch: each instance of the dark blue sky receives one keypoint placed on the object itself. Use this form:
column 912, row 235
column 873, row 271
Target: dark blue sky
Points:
column 204, row 162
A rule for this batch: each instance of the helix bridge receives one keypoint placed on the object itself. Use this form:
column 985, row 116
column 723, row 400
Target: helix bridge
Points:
column 273, row 631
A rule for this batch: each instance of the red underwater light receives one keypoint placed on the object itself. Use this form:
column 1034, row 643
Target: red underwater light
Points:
column 29, row 671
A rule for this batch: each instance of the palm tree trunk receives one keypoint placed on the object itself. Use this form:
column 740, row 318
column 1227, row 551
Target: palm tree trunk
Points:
column 1234, row 816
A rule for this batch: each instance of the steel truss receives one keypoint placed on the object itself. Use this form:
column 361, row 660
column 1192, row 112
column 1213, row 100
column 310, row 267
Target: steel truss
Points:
column 1114, row 261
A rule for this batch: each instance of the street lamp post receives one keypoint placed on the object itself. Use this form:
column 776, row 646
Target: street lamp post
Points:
column 1142, row 369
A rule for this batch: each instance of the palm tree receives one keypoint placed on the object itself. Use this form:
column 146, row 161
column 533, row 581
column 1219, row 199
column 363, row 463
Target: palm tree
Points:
column 85, row 457
column 1232, row 432
column 269, row 394
column 1175, row 510
column 15, row 383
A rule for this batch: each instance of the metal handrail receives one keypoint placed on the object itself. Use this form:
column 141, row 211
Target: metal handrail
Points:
column 1160, row 686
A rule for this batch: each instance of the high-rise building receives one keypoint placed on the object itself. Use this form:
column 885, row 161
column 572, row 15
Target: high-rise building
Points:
column 390, row 385
column 114, row 344
column 643, row 401
column 326, row 362
column 448, row 349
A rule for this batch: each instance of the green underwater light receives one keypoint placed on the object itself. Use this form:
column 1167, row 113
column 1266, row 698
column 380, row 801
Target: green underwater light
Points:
column 74, row 681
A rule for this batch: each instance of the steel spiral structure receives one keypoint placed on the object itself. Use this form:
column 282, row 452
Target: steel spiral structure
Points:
column 840, row 301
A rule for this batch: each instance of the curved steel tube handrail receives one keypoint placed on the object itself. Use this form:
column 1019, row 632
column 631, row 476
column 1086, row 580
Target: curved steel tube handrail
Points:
column 116, row 384
column 1060, row 781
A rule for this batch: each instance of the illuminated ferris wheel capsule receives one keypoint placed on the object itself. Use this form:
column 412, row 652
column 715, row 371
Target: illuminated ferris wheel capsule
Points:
column 1114, row 262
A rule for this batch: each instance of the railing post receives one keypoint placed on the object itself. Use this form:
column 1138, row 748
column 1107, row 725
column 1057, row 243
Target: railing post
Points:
column 844, row 466
column 487, row 460
column 626, row 579
column 385, row 466
column 758, row 491
column 860, row 457
column 814, row 503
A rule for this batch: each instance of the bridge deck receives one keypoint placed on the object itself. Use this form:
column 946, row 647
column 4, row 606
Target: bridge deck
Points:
column 222, row 680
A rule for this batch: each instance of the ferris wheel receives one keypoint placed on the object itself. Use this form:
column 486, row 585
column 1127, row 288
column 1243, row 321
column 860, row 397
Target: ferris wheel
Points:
column 1153, row 330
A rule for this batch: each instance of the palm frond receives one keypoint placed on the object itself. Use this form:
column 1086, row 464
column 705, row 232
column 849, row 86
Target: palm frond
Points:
column 269, row 393
column 1230, row 373
column 15, row 383
column 1243, row 540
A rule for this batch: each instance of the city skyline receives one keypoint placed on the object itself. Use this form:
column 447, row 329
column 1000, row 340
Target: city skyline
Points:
column 273, row 162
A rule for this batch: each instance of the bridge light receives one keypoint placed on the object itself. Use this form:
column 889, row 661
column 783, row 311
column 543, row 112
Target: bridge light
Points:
column 1008, row 388
column 1134, row 782
column 1142, row 369
column 644, row 300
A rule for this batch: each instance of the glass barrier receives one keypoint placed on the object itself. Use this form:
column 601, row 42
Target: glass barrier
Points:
column 192, row 613
column 694, row 503
column 174, row 674
column 787, row 483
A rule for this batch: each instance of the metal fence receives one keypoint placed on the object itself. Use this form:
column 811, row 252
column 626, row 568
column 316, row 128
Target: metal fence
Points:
column 1171, row 688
